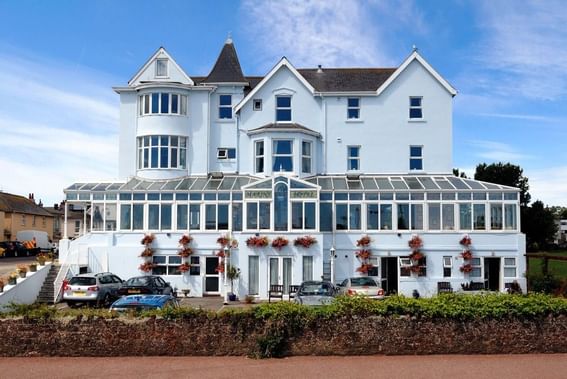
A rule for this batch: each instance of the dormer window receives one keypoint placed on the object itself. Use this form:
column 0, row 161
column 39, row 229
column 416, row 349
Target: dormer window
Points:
column 283, row 108
column 161, row 67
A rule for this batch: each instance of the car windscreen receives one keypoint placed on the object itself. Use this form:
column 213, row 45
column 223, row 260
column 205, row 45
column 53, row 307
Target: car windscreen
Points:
column 82, row 281
column 315, row 289
column 140, row 281
column 363, row 281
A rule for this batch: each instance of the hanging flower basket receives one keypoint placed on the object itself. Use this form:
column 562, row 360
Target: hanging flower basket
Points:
column 305, row 241
column 223, row 240
column 466, row 240
column 148, row 252
column 364, row 241
column 257, row 241
column 279, row 243
column 363, row 254
column 416, row 255
column 185, row 252
column 148, row 239
column 415, row 242
column 220, row 268
column 147, row 266
column 466, row 268
column 364, row 268
column 467, row 255
column 415, row 268
column 185, row 240
column 220, row 253
column 184, row 267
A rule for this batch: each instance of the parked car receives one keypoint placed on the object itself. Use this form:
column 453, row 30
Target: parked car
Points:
column 149, row 284
column 139, row 303
column 17, row 249
column 99, row 289
column 362, row 285
column 315, row 293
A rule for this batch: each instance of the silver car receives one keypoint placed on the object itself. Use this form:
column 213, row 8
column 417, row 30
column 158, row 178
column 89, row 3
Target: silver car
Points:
column 315, row 293
column 362, row 285
column 98, row 289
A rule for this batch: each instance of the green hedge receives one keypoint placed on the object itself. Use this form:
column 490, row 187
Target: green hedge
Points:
column 454, row 306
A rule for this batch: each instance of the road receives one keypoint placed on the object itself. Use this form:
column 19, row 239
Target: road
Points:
column 538, row 366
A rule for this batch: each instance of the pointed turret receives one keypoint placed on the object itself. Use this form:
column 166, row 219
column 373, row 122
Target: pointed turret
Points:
column 227, row 67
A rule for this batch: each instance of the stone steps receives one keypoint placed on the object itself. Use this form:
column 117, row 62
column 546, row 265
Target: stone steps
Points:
column 47, row 292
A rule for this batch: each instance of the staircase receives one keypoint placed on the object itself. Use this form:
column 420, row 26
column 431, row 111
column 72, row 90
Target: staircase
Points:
column 46, row 294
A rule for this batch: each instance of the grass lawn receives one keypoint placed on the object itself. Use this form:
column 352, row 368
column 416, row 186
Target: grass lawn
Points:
column 556, row 268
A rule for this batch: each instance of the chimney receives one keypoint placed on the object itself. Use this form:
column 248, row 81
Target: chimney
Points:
column 319, row 69
column 55, row 206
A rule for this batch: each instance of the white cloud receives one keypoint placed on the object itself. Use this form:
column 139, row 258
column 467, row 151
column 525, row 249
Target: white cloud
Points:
column 497, row 151
column 58, row 123
column 523, row 43
column 333, row 33
column 548, row 185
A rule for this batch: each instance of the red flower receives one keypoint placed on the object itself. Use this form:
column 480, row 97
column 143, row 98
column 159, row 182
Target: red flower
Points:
column 146, row 267
column 220, row 268
column 223, row 240
column 415, row 242
column 305, row 242
column 364, row 241
column 415, row 268
column 466, row 268
column 364, row 268
column 416, row 255
column 185, row 252
column 467, row 255
column 279, row 243
column 186, row 239
column 220, row 253
column 148, row 239
column 184, row 267
column 465, row 241
column 257, row 241
column 148, row 252
column 363, row 254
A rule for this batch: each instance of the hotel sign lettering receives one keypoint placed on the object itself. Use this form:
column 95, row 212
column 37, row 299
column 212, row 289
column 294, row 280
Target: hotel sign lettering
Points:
column 303, row 194
column 258, row 194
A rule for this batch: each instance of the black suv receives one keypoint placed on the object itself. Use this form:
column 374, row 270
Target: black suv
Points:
column 148, row 284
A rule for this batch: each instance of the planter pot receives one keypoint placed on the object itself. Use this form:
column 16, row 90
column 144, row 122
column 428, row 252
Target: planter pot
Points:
column 33, row 268
column 12, row 281
column 231, row 297
column 23, row 274
column 41, row 263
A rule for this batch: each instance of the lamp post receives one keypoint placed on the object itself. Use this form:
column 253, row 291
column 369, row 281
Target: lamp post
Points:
column 225, row 260
column 332, row 255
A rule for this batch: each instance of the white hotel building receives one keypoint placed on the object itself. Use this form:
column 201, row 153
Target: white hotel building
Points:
column 335, row 154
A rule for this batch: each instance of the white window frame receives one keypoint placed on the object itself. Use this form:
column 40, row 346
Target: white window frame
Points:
column 259, row 156
column 257, row 104
column 307, row 156
column 420, row 107
column 229, row 106
column 349, row 108
column 146, row 99
column 222, row 153
column 290, row 155
column 162, row 60
column 416, row 157
column 141, row 147
column 284, row 108
column 513, row 266
column 405, row 262
column 168, row 264
column 448, row 264
column 302, row 202
column 351, row 158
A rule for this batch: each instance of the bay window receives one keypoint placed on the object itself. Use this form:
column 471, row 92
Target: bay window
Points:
column 162, row 152
column 162, row 103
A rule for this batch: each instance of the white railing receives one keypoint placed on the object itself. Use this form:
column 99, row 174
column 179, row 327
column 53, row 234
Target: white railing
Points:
column 69, row 267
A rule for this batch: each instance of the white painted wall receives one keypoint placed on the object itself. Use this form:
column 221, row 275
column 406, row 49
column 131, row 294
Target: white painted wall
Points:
column 26, row 290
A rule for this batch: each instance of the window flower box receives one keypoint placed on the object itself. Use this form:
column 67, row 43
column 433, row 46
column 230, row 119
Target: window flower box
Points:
column 184, row 267
column 466, row 240
column 305, row 241
column 415, row 242
column 257, row 241
column 146, row 267
column 279, row 243
column 185, row 252
column 363, row 242
column 148, row 239
column 466, row 268
column 185, row 240
column 467, row 255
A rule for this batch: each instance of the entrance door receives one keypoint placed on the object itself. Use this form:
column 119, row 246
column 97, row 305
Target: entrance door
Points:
column 492, row 273
column 212, row 277
column 280, row 271
column 389, row 273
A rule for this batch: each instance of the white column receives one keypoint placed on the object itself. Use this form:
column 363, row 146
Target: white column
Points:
column 65, row 222
column 332, row 256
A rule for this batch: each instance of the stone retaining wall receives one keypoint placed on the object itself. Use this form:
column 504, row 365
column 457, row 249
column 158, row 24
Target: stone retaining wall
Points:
column 240, row 335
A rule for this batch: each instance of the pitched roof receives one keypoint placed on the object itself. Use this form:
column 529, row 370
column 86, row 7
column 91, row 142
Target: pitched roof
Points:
column 19, row 204
column 227, row 67
column 346, row 79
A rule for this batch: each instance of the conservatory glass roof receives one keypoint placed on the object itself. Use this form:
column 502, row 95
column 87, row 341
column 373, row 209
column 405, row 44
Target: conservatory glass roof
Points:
column 393, row 183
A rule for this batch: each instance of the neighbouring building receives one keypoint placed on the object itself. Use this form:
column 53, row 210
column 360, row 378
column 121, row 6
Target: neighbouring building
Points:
column 332, row 154
column 77, row 221
column 19, row 213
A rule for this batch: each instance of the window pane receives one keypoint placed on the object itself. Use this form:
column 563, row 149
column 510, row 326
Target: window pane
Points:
column 353, row 102
column 282, row 147
column 415, row 101
column 353, row 151
column 264, row 215
column 174, row 103
column 448, row 217
column 164, row 103
column 354, row 216
column 510, row 216
column 282, row 164
column 223, row 217
column 386, row 216
column 225, row 100
column 155, row 157
column 297, row 215
column 403, row 216
column 283, row 115
column 352, row 113
column 181, row 216
column 496, row 216
column 342, row 216
column 155, row 102
column 253, row 275
column 416, row 164
column 183, row 104
column 372, row 216
column 326, row 217
column 510, row 272
column 125, row 216
column 307, row 268
column 138, row 217
column 434, row 217
column 415, row 113
column 225, row 112
column 306, row 165
column 252, row 215
column 163, row 157
column 237, row 217
column 416, row 216
column 415, row 151
column 153, row 216
column 509, row 261
column 166, row 217
column 161, row 67
column 309, row 215
column 210, row 216
column 283, row 101
column 465, row 216
column 195, row 217
column 478, row 216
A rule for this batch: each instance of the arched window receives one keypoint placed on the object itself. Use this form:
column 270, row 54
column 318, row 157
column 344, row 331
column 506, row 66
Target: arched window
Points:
column 280, row 206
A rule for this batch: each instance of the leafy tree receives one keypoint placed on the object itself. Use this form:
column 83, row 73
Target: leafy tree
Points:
column 559, row 212
column 538, row 222
column 507, row 175
column 459, row 174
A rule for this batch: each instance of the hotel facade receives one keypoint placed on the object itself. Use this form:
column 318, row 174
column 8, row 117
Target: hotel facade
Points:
column 300, row 174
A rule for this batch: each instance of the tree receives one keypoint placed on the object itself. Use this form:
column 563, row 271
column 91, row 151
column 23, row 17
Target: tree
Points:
column 538, row 222
column 507, row 175
column 459, row 174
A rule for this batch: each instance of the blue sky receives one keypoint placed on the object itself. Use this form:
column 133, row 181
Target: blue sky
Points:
column 58, row 61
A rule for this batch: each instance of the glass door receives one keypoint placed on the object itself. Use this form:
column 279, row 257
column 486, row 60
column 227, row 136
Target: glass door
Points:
column 280, row 272
column 212, row 277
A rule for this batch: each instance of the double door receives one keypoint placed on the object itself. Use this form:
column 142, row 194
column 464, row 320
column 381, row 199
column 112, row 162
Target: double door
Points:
column 281, row 272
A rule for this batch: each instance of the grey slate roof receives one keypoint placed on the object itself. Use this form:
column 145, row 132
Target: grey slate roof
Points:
column 227, row 67
column 346, row 79
column 18, row 204
column 283, row 127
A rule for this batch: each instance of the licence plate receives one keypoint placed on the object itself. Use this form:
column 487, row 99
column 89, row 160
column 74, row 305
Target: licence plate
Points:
column 79, row 293
column 133, row 291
